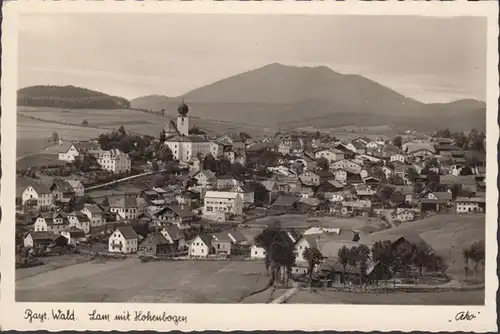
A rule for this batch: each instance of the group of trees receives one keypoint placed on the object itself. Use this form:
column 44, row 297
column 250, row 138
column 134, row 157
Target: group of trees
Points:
column 473, row 255
column 473, row 140
column 395, row 259
column 279, row 253
column 137, row 146
column 357, row 258
column 68, row 97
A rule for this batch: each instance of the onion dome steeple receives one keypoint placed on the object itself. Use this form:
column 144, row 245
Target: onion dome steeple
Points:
column 183, row 109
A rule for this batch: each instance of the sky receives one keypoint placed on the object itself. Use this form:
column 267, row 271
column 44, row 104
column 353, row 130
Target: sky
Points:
column 432, row 59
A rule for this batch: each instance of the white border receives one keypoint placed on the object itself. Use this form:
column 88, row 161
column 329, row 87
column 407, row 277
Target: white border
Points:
column 259, row 316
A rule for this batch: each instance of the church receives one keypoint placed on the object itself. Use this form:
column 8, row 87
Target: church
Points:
column 185, row 146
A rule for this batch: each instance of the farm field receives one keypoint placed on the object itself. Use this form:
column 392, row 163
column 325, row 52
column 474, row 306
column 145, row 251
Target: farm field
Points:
column 470, row 297
column 304, row 221
column 100, row 121
column 447, row 234
column 38, row 159
column 51, row 263
column 132, row 281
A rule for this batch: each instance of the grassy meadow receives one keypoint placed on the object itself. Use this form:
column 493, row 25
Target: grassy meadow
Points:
column 135, row 282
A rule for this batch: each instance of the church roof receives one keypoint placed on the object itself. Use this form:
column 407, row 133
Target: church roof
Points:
column 171, row 128
column 186, row 139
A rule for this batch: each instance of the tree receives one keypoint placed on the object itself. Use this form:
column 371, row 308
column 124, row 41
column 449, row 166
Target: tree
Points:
column 85, row 122
column 421, row 257
column 353, row 258
column 382, row 254
column 105, row 202
column 155, row 167
column 418, row 187
column 163, row 136
column 444, row 133
column 411, row 174
column 461, row 140
column 165, row 154
column 455, row 190
column 279, row 252
column 54, row 138
column 477, row 255
column 122, row 131
column 397, row 141
column 209, row 163
column 313, row 257
column 244, row 136
column 467, row 256
column 322, row 163
column 363, row 255
column 344, row 257
column 385, row 193
column 260, row 192
column 466, row 171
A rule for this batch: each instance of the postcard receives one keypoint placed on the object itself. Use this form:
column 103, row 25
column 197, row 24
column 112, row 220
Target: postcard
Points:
column 249, row 166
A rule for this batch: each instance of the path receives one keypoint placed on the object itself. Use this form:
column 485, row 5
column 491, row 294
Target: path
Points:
column 122, row 180
column 288, row 294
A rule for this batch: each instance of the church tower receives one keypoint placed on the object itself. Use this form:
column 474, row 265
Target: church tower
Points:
column 183, row 119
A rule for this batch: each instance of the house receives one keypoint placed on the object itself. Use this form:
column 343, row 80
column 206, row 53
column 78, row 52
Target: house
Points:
column 80, row 221
column 74, row 235
column 444, row 196
column 35, row 239
column 124, row 206
column 359, row 147
column 155, row 244
column 308, row 204
column 178, row 215
column 342, row 164
column 123, row 240
column 69, row 151
column 306, row 241
column 78, row 187
column 285, row 202
column 114, row 161
column 330, row 154
column 38, row 194
column 405, row 215
column 224, row 201
column 51, row 222
column 62, row 190
column 406, row 192
column 174, row 236
column 397, row 157
column 95, row 214
column 473, row 204
column 330, row 186
column 221, row 243
column 363, row 140
column 227, row 182
column 236, row 236
column 204, row 177
column 389, row 149
column 201, row 246
column 315, row 178
column 257, row 253
column 247, row 194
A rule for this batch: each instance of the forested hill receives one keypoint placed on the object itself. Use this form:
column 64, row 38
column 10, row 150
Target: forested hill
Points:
column 70, row 97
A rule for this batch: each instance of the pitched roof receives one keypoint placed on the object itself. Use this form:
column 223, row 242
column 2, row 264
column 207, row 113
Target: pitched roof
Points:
column 443, row 195
column 74, row 183
column 92, row 208
column 123, row 201
column 206, row 238
column 461, row 179
column 174, row 232
column 285, row 200
column 222, row 237
column 40, row 188
column 62, row 185
column 41, row 235
column 269, row 185
column 181, row 211
column 155, row 238
column 127, row 232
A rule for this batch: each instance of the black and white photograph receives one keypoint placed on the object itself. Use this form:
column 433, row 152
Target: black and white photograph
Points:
column 232, row 158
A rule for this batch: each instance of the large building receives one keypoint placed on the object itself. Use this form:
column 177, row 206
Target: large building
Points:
column 114, row 161
column 185, row 146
